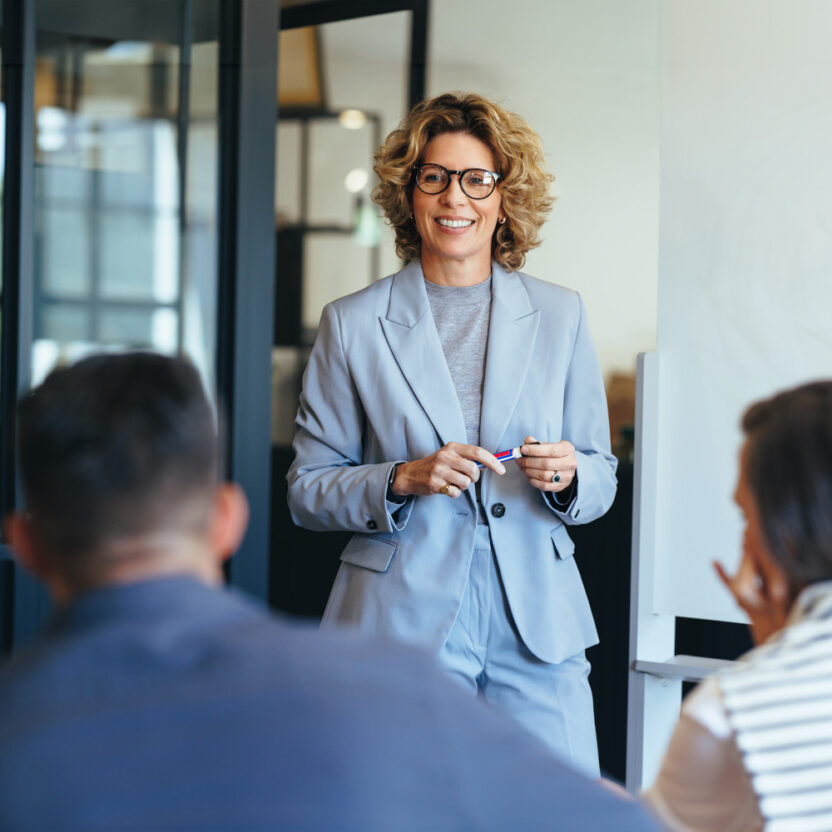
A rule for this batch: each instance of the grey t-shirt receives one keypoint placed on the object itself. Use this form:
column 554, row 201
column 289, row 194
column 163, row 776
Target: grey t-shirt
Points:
column 462, row 315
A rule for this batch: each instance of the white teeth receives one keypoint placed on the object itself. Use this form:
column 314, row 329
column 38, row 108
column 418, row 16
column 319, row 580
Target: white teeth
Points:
column 455, row 223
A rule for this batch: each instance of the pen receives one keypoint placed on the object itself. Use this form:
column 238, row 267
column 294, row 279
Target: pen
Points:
column 505, row 456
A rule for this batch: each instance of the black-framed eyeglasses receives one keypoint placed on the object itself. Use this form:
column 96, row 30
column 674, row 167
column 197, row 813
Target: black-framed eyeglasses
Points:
column 476, row 183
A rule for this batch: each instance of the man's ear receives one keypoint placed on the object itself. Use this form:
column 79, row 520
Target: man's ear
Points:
column 17, row 529
column 229, row 520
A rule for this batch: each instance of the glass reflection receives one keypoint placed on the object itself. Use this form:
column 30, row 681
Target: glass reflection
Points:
column 125, row 241
column 2, row 166
column 6, row 565
column 339, row 94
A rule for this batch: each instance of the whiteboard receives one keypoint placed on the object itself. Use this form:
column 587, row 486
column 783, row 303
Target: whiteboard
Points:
column 745, row 260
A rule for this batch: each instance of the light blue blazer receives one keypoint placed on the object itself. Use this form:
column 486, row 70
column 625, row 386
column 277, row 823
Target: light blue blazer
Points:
column 377, row 391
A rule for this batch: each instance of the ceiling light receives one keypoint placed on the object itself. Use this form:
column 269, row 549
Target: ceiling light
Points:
column 356, row 180
column 352, row 119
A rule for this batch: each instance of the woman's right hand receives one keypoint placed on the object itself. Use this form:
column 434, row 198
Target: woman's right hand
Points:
column 762, row 591
column 452, row 468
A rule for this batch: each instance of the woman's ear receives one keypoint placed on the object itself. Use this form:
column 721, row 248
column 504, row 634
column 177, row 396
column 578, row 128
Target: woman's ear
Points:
column 229, row 520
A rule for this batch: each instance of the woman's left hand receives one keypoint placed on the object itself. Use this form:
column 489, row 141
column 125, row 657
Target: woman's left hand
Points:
column 541, row 461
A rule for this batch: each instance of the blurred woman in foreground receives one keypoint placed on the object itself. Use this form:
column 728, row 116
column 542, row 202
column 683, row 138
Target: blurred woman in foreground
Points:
column 753, row 748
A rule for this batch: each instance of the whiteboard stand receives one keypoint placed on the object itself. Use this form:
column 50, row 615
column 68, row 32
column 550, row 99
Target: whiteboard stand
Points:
column 653, row 701
column 656, row 675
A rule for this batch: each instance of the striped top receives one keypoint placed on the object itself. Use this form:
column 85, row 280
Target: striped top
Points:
column 778, row 701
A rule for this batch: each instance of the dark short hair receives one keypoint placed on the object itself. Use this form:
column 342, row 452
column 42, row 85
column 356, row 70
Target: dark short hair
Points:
column 788, row 468
column 113, row 447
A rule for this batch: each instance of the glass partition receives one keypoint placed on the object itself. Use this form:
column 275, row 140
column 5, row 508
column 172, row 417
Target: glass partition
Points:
column 123, row 172
column 342, row 87
column 6, row 564
column 125, row 179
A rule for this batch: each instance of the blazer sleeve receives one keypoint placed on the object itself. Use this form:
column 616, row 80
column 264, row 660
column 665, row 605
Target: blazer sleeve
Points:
column 586, row 425
column 331, row 488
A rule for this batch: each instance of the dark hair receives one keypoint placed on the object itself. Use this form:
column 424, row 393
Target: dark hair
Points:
column 788, row 468
column 113, row 447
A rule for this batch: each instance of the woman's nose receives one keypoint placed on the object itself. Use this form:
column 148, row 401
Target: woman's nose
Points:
column 453, row 194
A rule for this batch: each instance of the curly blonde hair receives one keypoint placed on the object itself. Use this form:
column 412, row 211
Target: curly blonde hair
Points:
column 518, row 158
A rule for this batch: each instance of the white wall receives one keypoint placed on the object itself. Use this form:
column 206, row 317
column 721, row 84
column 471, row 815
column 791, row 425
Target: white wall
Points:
column 585, row 75
column 745, row 290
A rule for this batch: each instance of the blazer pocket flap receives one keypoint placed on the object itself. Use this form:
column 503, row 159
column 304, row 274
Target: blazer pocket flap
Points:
column 370, row 552
column 564, row 547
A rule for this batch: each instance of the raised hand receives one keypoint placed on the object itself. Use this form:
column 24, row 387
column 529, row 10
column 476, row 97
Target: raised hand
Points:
column 761, row 589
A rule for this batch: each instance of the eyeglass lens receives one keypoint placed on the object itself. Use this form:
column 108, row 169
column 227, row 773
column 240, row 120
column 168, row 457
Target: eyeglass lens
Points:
column 476, row 183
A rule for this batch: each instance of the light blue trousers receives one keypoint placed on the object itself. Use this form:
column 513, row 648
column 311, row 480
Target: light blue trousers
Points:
column 485, row 652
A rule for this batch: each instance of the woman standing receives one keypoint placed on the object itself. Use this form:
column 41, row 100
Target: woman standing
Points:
column 415, row 380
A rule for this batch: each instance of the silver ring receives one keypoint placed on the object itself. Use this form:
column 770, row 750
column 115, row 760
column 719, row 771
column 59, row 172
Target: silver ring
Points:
column 556, row 477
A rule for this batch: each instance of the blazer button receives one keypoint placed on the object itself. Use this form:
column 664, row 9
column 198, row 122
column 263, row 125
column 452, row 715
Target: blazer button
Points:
column 372, row 525
column 498, row 510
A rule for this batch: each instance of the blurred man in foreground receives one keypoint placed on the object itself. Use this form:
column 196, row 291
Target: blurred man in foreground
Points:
column 159, row 700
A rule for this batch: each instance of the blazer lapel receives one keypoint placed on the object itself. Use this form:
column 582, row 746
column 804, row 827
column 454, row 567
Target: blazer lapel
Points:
column 414, row 341
column 511, row 339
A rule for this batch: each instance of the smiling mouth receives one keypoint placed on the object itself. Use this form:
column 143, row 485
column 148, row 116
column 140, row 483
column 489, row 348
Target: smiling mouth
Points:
column 454, row 223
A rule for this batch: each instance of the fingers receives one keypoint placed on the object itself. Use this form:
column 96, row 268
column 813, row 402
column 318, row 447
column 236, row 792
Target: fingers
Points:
column 731, row 584
column 450, row 491
column 547, row 483
column 451, row 464
column 563, row 450
column 749, row 587
column 549, row 466
column 478, row 454
column 467, row 457
column 457, row 480
column 532, row 448
column 764, row 601
column 455, row 468
column 448, row 482
column 723, row 575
